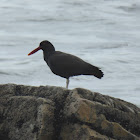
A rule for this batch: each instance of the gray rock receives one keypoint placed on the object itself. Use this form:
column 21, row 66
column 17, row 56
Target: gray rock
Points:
column 55, row 113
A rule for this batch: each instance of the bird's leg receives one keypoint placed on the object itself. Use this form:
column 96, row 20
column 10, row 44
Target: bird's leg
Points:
column 67, row 83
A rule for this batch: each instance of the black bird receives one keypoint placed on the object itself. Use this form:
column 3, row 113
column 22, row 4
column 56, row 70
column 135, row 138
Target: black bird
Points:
column 66, row 65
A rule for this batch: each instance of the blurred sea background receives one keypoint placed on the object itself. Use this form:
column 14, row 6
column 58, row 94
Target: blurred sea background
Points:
column 105, row 33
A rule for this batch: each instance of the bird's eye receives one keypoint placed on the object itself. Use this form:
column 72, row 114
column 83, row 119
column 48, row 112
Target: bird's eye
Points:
column 41, row 44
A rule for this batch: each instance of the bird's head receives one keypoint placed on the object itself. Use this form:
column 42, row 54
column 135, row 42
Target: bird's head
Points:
column 45, row 46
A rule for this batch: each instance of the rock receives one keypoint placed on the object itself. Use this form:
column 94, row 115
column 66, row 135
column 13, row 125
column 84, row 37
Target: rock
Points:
column 55, row 113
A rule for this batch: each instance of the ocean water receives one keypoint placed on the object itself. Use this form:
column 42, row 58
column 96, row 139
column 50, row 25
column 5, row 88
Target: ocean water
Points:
column 105, row 33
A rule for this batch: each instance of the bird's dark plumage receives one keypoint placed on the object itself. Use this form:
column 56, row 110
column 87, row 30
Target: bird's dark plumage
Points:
column 66, row 65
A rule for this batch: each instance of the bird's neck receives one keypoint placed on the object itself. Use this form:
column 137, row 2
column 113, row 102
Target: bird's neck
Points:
column 47, row 54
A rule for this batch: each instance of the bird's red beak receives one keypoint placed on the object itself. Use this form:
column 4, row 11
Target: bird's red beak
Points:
column 34, row 51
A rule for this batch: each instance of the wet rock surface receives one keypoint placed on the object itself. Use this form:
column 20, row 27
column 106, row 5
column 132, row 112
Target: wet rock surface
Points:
column 55, row 113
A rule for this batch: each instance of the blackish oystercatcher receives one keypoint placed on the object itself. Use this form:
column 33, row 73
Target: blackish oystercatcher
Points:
column 66, row 65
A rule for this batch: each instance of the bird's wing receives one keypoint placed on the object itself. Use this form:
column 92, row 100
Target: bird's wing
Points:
column 67, row 64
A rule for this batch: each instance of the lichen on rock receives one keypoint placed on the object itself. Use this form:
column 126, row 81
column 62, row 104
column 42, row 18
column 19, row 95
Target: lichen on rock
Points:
column 55, row 113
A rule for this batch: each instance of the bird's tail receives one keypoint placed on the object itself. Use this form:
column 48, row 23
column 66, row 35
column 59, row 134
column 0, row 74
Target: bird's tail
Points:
column 98, row 73
column 93, row 70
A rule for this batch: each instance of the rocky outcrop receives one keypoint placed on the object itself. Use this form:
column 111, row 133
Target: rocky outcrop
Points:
column 54, row 113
